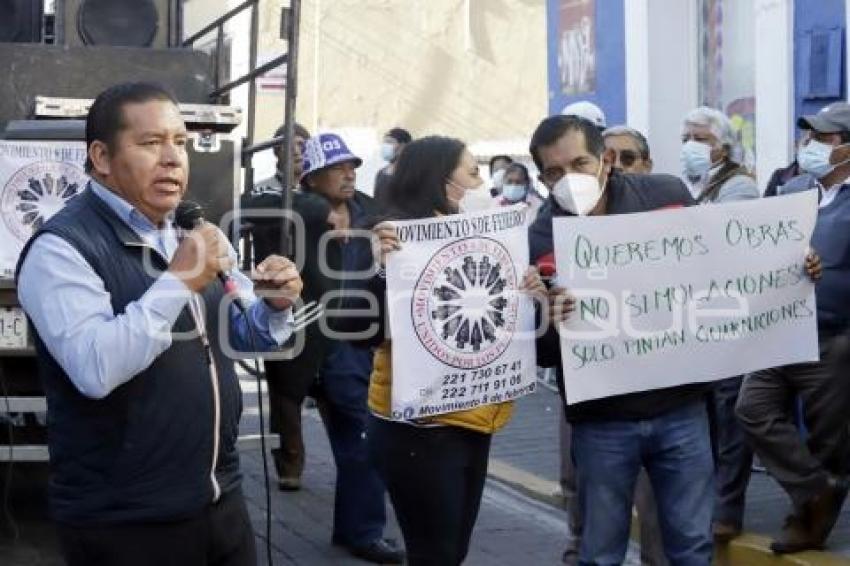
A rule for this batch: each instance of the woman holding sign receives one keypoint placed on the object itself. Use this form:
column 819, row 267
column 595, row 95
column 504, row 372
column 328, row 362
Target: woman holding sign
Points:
column 434, row 467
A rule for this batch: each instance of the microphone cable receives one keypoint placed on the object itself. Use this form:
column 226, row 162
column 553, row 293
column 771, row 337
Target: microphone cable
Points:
column 259, row 375
column 188, row 215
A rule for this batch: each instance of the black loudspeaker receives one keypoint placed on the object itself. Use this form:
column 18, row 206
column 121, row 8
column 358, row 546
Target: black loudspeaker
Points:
column 20, row 21
column 214, row 175
column 27, row 71
column 128, row 23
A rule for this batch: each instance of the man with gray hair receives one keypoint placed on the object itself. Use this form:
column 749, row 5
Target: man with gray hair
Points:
column 631, row 149
column 712, row 159
column 712, row 169
column 632, row 156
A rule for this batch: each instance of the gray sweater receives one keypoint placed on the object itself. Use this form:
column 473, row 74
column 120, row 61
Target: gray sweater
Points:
column 739, row 187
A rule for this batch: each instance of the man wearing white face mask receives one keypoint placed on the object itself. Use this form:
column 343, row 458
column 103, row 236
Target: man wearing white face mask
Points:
column 608, row 434
column 812, row 470
column 709, row 164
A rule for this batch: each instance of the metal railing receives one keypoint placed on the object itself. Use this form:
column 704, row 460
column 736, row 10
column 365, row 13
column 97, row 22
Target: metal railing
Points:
column 290, row 19
column 218, row 24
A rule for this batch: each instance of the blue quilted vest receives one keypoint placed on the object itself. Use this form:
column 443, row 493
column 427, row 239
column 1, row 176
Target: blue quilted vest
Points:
column 145, row 451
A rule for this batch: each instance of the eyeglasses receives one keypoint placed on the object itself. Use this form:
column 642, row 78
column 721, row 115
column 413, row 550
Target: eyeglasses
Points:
column 627, row 157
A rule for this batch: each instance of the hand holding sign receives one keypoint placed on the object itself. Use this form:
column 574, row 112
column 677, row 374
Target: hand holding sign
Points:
column 561, row 305
column 533, row 285
column 814, row 269
column 385, row 241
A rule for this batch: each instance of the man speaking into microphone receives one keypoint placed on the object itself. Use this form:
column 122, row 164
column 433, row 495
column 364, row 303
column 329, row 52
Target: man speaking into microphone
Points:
column 143, row 406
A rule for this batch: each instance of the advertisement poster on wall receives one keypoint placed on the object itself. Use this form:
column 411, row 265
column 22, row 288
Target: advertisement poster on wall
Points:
column 577, row 46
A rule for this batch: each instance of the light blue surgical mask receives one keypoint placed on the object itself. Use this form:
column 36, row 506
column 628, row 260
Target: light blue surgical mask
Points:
column 387, row 151
column 514, row 193
column 814, row 159
column 696, row 159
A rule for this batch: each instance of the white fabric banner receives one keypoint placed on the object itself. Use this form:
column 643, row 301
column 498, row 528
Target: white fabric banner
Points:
column 462, row 333
column 688, row 295
column 36, row 180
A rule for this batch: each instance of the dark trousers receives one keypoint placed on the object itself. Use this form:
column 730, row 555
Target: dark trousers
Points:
column 220, row 536
column 766, row 409
column 359, row 503
column 285, row 420
column 733, row 458
column 435, row 478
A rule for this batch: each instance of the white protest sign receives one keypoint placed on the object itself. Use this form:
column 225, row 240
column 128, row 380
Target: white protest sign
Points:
column 36, row 180
column 462, row 333
column 682, row 296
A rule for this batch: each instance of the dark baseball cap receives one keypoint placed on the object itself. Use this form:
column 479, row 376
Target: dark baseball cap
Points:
column 833, row 119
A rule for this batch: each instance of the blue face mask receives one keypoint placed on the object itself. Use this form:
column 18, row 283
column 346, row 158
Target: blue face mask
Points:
column 814, row 159
column 387, row 151
column 696, row 159
column 514, row 193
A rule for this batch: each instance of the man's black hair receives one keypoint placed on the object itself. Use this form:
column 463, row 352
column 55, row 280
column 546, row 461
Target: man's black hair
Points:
column 106, row 115
column 496, row 158
column 300, row 131
column 417, row 187
column 523, row 170
column 551, row 129
column 400, row 135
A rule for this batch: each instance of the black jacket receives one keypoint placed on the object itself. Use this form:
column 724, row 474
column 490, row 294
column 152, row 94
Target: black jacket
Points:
column 296, row 376
column 626, row 194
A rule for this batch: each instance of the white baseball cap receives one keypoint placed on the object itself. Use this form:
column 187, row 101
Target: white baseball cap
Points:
column 588, row 111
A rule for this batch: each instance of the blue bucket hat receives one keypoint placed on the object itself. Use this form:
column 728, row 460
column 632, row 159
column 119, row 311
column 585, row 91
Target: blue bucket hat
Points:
column 325, row 150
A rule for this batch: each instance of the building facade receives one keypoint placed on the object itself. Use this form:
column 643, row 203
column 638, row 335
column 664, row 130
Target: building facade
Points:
column 648, row 62
column 471, row 69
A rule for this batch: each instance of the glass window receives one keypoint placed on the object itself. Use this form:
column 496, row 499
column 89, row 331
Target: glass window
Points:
column 727, row 66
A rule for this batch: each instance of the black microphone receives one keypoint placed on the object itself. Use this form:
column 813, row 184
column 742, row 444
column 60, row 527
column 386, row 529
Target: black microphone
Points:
column 188, row 216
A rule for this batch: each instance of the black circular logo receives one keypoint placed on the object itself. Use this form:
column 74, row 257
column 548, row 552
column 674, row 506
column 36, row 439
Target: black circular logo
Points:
column 465, row 303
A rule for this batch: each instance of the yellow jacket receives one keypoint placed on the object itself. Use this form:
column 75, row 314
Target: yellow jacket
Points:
column 487, row 419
